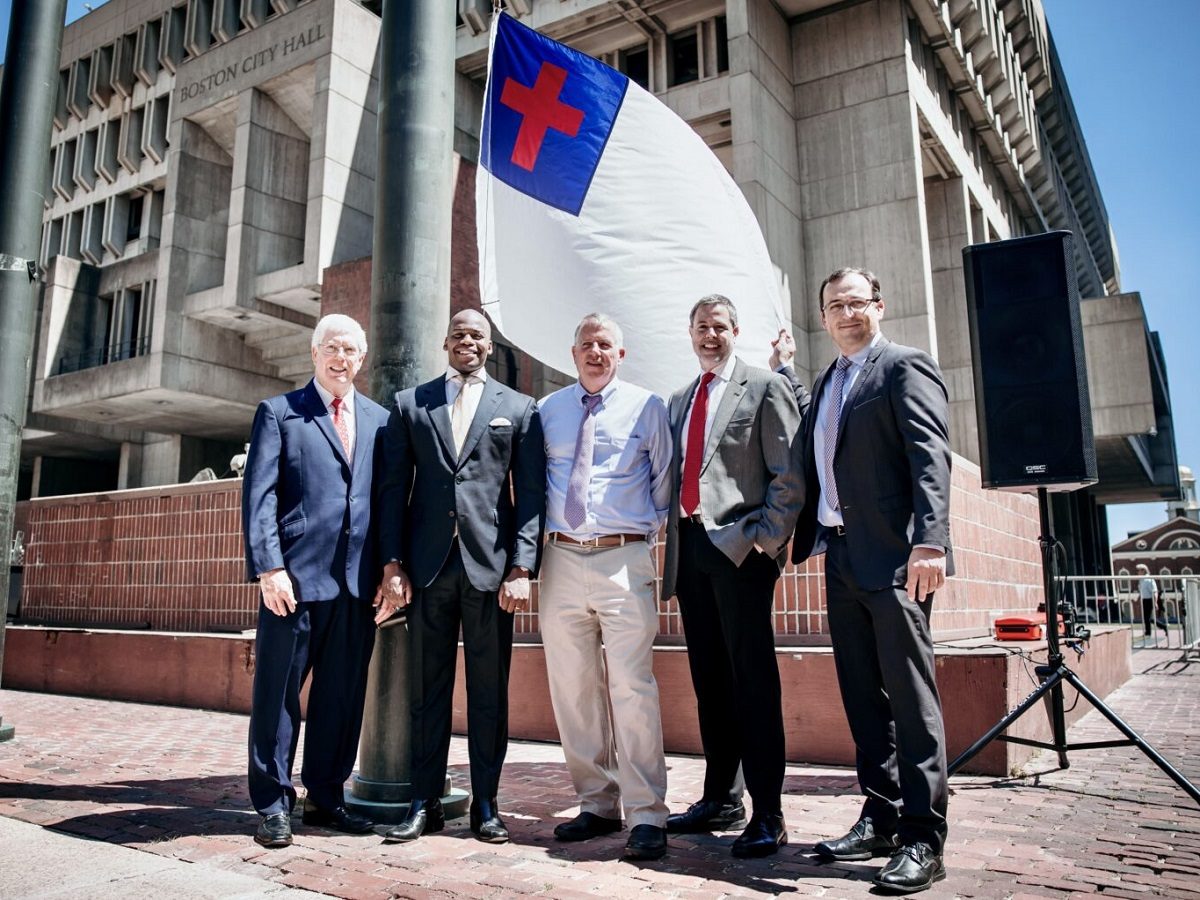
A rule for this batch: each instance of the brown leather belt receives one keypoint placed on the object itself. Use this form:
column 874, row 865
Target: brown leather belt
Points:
column 604, row 540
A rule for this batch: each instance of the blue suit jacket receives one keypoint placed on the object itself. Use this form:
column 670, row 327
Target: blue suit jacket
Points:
column 305, row 506
column 493, row 493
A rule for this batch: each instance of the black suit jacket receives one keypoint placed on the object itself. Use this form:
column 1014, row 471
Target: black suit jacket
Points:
column 494, row 492
column 892, row 466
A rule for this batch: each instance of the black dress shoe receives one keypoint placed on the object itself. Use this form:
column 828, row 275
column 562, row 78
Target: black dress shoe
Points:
column 861, row 842
column 762, row 837
column 646, row 842
column 486, row 821
column 424, row 817
column 339, row 818
column 585, row 826
column 274, row 831
column 914, row 867
column 708, row 815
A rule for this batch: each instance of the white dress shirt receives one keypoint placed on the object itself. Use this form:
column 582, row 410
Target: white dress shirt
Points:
column 474, row 390
column 346, row 413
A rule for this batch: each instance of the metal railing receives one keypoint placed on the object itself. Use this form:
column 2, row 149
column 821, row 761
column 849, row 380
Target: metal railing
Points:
column 103, row 356
column 1174, row 619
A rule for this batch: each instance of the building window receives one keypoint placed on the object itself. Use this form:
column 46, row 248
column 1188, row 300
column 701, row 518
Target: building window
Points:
column 1184, row 543
column 683, row 59
column 722, row 45
column 133, row 230
column 635, row 63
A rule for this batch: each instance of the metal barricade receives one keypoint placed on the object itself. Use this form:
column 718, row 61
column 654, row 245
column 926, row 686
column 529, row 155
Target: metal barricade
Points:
column 1116, row 600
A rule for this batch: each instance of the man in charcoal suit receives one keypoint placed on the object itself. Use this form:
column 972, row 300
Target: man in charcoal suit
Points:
column 877, row 469
column 462, row 506
column 311, row 545
column 737, row 492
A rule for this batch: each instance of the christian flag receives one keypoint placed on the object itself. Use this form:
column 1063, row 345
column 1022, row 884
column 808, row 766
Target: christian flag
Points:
column 592, row 196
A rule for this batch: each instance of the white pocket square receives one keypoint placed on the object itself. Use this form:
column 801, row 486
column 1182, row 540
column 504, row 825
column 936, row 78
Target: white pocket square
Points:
column 498, row 422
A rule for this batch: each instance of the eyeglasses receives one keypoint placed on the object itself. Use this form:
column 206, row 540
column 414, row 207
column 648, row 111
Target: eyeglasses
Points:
column 331, row 350
column 839, row 307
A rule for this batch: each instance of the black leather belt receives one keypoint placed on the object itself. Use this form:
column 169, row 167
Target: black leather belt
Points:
column 836, row 530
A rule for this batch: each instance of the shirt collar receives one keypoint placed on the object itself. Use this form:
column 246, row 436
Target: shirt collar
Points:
column 327, row 398
column 859, row 357
column 725, row 371
column 606, row 392
column 480, row 373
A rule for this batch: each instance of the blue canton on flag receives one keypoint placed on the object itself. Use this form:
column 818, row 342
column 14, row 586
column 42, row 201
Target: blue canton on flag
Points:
column 548, row 116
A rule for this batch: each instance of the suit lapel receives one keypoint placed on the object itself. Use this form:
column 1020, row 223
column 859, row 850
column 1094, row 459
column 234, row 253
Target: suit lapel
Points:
column 432, row 397
column 320, row 414
column 734, row 391
column 488, row 404
column 361, row 442
column 852, row 398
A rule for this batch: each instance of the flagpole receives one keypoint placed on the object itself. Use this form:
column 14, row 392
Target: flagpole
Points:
column 410, row 307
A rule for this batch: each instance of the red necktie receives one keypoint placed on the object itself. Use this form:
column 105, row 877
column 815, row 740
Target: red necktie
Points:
column 340, row 426
column 689, row 493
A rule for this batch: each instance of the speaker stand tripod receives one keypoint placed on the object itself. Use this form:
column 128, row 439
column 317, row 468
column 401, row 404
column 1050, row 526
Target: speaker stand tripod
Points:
column 1052, row 676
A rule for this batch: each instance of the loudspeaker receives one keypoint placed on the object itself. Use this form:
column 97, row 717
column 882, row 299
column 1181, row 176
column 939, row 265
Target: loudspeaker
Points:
column 1031, row 392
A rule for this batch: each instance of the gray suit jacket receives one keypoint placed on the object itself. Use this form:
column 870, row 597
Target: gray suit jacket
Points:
column 892, row 465
column 751, row 488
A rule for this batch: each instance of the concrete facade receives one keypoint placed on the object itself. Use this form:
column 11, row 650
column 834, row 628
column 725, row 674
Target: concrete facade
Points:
column 213, row 158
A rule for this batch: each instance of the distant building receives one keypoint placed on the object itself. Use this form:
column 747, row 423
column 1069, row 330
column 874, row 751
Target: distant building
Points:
column 1187, row 506
column 213, row 176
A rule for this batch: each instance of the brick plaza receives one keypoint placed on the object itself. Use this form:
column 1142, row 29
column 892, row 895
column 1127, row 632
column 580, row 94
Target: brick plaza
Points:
column 170, row 782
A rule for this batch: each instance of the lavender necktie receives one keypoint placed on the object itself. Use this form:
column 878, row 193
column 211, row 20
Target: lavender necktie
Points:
column 575, row 507
column 833, row 421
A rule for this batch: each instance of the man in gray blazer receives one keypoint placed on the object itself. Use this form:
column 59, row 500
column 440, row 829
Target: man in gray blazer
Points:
column 877, row 470
column 462, row 505
column 737, row 492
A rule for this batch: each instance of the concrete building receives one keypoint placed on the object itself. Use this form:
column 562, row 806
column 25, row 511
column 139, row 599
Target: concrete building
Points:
column 214, row 158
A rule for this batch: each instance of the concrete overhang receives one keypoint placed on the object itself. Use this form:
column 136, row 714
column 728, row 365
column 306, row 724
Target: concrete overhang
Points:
column 1131, row 409
column 159, row 392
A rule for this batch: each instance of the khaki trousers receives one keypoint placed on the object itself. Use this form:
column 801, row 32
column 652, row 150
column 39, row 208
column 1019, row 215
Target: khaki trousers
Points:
column 599, row 619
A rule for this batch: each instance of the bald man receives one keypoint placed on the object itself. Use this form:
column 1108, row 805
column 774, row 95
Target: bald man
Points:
column 462, row 507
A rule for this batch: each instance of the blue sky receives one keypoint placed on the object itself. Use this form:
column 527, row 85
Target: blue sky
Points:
column 1140, row 118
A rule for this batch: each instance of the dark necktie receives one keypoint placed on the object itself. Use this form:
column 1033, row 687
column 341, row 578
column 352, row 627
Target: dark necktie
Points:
column 833, row 421
column 689, row 493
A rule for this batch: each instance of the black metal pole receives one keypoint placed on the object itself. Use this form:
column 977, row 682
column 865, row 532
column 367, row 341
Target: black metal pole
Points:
column 1058, row 717
column 26, row 115
column 410, row 309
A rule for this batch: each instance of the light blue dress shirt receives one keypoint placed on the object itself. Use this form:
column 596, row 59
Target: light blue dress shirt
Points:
column 826, row 514
column 630, row 487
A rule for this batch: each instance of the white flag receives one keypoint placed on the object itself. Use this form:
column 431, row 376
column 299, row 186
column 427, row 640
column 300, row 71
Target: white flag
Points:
column 592, row 196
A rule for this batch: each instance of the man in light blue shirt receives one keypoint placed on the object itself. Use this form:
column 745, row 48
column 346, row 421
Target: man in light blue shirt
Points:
column 608, row 488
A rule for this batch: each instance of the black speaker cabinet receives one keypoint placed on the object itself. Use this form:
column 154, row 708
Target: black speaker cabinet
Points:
column 1031, row 392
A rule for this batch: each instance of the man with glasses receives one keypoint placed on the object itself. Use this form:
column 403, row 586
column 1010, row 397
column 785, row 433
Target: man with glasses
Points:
column 877, row 470
column 310, row 544
column 462, row 505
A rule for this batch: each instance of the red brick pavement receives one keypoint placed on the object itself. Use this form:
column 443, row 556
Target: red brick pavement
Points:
column 169, row 781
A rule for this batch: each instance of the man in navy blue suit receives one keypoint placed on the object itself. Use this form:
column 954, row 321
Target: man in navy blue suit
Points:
column 462, row 505
column 311, row 546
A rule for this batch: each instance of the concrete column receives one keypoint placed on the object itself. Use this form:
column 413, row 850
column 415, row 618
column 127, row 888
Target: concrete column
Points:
column 860, row 164
column 766, row 164
column 948, row 215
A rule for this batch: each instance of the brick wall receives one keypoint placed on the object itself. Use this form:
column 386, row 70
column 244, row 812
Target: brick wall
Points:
column 167, row 558
column 170, row 558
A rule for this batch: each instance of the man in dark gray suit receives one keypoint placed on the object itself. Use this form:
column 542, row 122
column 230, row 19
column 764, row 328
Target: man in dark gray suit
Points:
column 462, row 507
column 877, row 469
column 737, row 491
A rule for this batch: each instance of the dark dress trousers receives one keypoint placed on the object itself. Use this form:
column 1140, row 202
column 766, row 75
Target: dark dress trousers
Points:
column 892, row 465
column 306, row 508
column 457, row 523
column 750, row 493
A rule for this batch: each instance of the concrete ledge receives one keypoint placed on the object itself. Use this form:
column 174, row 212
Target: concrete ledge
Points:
column 979, row 680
